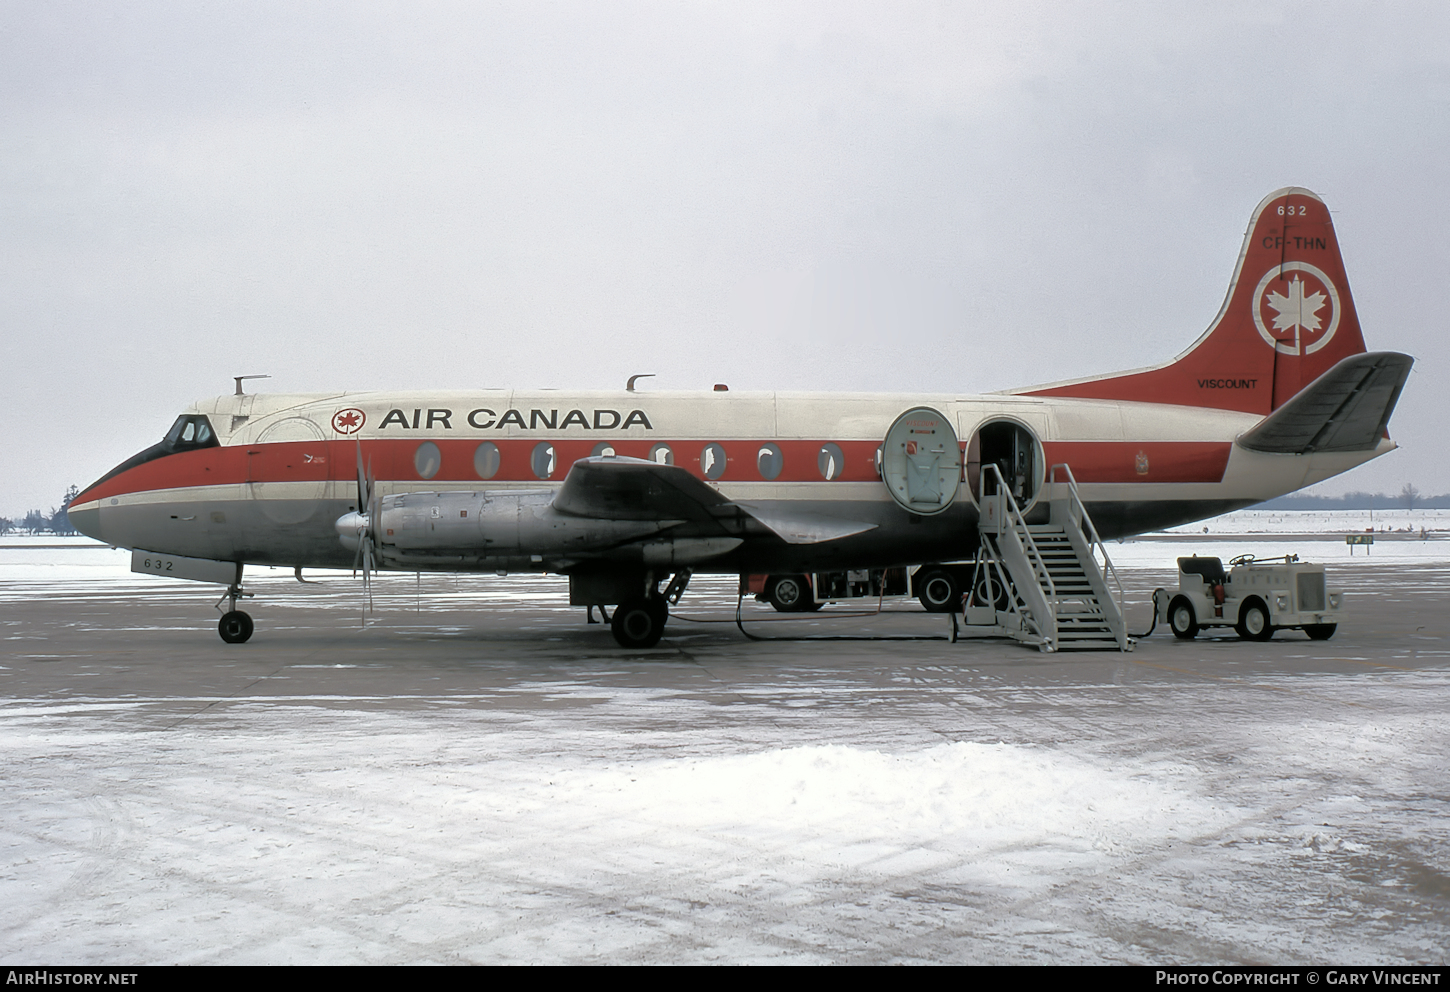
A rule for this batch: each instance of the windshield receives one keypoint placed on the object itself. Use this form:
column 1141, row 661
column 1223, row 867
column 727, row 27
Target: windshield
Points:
column 190, row 431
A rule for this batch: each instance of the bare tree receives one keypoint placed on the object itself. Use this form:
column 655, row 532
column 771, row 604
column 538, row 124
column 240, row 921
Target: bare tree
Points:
column 1409, row 495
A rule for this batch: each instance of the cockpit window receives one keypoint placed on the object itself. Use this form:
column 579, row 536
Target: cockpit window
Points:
column 190, row 431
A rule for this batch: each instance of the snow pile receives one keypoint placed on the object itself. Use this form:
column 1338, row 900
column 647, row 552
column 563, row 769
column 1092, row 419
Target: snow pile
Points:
column 966, row 798
column 277, row 812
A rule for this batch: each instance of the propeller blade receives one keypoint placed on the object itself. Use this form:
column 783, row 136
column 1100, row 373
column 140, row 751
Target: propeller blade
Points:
column 371, row 545
column 368, row 507
column 361, row 490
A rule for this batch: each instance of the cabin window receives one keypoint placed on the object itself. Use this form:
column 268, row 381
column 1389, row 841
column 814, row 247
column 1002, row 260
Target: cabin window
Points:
column 831, row 461
column 603, row 450
column 712, row 461
column 427, row 460
column 542, row 460
column 661, row 454
column 485, row 460
column 769, row 461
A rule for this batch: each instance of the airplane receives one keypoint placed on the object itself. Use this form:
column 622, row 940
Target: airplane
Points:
column 621, row 491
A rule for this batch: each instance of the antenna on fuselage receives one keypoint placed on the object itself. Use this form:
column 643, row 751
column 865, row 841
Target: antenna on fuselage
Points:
column 238, row 379
column 629, row 386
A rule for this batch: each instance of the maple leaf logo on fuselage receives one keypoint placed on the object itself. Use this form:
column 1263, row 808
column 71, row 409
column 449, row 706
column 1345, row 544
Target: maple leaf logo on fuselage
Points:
column 348, row 421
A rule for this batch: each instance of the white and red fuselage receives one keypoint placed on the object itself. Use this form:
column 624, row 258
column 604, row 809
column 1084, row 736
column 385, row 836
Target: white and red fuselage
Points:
column 265, row 478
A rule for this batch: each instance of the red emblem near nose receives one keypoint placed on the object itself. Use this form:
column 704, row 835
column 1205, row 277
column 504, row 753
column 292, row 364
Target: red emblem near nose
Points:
column 348, row 421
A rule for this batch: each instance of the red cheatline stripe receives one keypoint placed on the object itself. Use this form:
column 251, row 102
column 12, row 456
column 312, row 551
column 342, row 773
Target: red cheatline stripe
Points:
column 393, row 460
column 1141, row 461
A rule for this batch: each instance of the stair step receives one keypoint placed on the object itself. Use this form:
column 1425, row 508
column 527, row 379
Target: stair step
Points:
column 1079, row 619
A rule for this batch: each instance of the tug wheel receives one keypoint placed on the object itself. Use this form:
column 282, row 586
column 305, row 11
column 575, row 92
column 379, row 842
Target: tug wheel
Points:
column 1182, row 619
column 1254, row 623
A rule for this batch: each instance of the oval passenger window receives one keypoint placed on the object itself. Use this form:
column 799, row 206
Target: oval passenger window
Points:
column 712, row 461
column 427, row 460
column 485, row 460
column 831, row 461
column 770, row 461
column 542, row 460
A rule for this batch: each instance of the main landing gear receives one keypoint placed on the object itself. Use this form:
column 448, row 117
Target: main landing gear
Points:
column 235, row 627
column 640, row 623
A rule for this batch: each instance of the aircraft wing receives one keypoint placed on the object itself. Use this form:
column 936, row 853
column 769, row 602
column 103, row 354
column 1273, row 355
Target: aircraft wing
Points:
column 619, row 488
column 1345, row 409
column 803, row 526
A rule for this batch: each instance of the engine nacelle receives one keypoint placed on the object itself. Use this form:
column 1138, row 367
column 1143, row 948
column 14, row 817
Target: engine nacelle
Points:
column 498, row 525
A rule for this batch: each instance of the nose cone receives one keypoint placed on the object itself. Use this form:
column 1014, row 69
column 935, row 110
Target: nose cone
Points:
column 87, row 520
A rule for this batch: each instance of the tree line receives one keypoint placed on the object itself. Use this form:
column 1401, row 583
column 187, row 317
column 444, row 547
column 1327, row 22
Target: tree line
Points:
column 1408, row 498
column 40, row 522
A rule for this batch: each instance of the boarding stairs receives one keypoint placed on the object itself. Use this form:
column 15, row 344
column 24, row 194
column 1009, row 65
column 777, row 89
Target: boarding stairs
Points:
column 1051, row 584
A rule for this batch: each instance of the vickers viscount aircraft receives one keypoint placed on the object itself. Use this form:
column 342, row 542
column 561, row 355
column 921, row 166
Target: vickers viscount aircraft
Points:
column 622, row 490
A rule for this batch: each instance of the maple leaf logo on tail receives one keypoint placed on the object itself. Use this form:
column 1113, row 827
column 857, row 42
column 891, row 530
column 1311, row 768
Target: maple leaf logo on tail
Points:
column 1296, row 310
column 1298, row 325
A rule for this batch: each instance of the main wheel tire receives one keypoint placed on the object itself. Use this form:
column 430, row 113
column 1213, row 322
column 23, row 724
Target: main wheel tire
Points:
column 235, row 627
column 1182, row 619
column 1254, row 623
column 791, row 594
column 1320, row 631
column 938, row 591
column 639, row 624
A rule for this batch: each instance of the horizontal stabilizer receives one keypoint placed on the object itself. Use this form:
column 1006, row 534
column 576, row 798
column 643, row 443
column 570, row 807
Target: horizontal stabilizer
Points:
column 1345, row 409
column 620, row 488
column 803, row 526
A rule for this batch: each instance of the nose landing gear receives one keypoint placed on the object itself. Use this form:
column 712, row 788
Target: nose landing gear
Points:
column 235, row 627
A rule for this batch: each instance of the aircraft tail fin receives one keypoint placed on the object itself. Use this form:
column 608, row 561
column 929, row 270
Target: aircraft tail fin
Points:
column 1287, row 319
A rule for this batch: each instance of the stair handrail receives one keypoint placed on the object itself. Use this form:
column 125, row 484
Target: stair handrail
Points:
column 1005, row 500
column 1090, row 531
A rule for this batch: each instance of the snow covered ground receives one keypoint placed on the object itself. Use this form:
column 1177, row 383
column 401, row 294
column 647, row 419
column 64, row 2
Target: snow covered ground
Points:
column 478, row 777
column 1331, row 522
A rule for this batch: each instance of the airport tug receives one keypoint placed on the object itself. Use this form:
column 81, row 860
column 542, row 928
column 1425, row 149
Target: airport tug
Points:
column 1256, row 597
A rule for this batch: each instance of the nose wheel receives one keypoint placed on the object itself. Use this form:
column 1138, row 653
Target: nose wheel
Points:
column 235, row 627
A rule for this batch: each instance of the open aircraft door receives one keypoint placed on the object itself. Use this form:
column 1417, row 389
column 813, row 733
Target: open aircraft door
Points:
column 1013, row 442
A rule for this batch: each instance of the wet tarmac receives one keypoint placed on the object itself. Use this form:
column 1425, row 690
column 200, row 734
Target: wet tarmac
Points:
column 479, row 776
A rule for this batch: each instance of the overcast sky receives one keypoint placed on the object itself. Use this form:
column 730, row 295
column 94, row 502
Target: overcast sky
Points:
column 892, row 196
